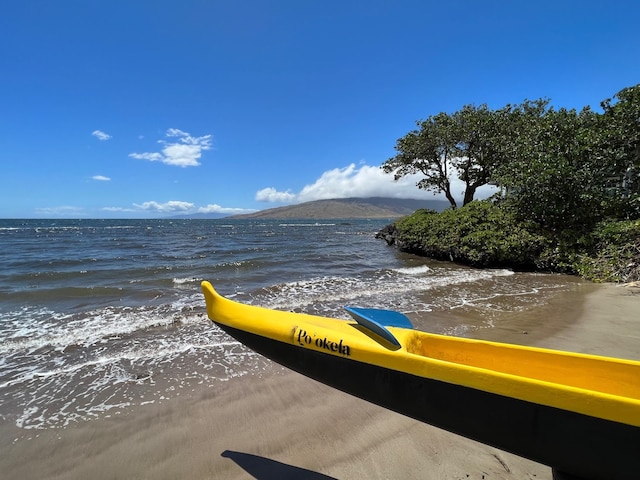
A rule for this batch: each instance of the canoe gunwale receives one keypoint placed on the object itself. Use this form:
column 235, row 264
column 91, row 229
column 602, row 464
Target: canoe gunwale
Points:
column 294, row 328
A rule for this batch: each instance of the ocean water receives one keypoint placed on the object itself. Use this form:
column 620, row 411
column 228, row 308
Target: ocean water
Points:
column 101, row 316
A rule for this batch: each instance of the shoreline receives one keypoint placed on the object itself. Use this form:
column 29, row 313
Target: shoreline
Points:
column 287, row 426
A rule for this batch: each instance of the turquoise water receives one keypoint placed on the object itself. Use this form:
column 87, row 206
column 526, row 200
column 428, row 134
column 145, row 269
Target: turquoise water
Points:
column 100, row 316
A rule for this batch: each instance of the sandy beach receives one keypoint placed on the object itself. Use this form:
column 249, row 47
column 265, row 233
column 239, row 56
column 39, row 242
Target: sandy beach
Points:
column 287, row 426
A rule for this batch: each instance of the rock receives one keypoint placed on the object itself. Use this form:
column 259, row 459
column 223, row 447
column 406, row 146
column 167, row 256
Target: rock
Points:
column 389, row 234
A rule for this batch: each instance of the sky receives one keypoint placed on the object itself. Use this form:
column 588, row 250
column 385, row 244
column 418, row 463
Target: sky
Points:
column 153, row 108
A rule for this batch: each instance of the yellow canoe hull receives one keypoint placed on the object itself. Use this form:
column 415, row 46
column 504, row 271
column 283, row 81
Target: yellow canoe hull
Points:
column 578, row 413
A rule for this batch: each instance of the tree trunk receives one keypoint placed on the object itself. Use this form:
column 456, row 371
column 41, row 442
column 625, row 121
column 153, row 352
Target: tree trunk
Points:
column 452, row 200
column 469, row 193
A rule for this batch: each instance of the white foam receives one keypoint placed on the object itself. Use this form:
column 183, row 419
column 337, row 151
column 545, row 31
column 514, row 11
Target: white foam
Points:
column 182, row 281
column 419, row 270
column 136, row 373
column 28, row 414
column 379, row 292
column 306, row 224
column 60, row 331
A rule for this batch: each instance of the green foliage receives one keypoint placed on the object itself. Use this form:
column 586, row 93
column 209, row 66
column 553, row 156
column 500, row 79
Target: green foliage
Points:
column 480, row 234
column 569, row 183
column 614, row 255
column 467, row 144
column 570, row 170
column 551, row 179
column 559, row 168
column 483, row 234
column 620, row 146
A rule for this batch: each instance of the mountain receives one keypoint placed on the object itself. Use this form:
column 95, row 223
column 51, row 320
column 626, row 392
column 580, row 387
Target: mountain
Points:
column 374, row 207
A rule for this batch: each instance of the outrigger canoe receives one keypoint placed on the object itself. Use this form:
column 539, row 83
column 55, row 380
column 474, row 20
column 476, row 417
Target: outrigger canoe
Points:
column 577, row 413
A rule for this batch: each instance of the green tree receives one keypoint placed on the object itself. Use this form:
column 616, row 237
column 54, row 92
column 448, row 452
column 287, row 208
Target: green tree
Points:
column 466, row 145
column 569, row 170
column 564, row 169
column 620, row 146
column 481, row 146
column 550, row 177
column 428, row 150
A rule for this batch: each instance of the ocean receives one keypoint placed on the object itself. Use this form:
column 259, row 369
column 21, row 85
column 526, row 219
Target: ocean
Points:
column 99, row 317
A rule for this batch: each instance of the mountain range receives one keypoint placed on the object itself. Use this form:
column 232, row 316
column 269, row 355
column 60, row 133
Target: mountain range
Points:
column 372, row 207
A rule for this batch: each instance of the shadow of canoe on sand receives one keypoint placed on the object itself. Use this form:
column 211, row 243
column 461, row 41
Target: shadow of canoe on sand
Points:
column 262, row 468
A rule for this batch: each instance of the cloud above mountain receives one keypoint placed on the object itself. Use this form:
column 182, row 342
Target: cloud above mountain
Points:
column 359, row 181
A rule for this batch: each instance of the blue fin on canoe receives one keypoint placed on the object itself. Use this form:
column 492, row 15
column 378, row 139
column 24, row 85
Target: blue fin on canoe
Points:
column 387, row 318
column 377, row 320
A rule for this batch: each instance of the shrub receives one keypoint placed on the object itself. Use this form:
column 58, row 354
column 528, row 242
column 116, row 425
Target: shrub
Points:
column 483, row 234
column 479, row 234
column 614, row 255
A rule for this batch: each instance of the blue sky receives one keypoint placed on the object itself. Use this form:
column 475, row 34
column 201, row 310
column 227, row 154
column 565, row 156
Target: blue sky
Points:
column 152, row 108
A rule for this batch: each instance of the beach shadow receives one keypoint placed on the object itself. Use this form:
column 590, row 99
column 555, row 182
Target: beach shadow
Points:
column 262, row 468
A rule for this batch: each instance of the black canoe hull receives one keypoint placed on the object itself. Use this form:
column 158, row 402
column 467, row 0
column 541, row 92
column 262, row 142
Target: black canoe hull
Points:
column 580, row 445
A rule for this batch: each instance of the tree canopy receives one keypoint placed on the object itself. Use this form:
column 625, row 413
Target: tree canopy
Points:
column 465, row 144
column 561, row 168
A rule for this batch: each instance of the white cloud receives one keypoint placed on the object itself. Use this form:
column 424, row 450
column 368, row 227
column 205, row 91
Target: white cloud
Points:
column 270, row 194
column 118, row 209
column 174, row 207
column 185, row 152
column 214, row 208
column 167, row 207
column 363, row 181
column 101, row 178
column 152, row 157
column 100, row 135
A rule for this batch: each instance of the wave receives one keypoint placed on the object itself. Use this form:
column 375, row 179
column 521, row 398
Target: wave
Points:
column 182, row 281
column 382, row 289
column 57, row 368
column 153, row 351
column 316, row 224
column 32, row 329
column 419, row 270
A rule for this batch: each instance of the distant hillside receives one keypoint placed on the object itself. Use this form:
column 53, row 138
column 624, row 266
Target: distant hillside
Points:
column 374, row 207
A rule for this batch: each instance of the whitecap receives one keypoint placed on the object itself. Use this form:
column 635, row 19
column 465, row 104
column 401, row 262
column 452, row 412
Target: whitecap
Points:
column 419, row 270
column 182, row 281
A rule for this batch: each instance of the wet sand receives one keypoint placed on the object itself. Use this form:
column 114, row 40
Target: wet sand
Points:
column 287, row 426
